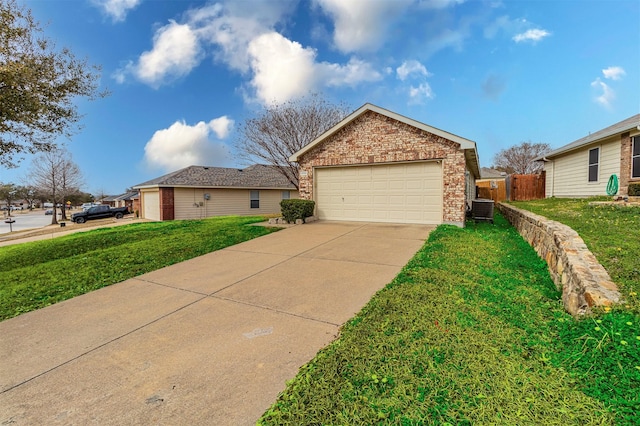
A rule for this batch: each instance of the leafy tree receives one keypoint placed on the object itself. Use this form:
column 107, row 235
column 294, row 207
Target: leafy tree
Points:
column 8, row 194
column 38, row 84
column 27, row 193
column 56, row 174
column 519, row 158
column 283, row 129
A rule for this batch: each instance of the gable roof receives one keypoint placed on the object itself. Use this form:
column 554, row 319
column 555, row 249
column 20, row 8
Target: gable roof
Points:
column 127, row 196
column 623, row 126
column 109, row 198
column 256, row 176
column 489, row 173
column 469, row 146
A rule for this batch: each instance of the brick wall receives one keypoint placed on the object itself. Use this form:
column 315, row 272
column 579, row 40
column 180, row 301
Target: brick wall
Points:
column 167, row 210
column 374, row 138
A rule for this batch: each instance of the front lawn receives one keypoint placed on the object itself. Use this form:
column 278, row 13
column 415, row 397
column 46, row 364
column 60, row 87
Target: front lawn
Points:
column 472, row 331
column 37, row 274
column 612, row 233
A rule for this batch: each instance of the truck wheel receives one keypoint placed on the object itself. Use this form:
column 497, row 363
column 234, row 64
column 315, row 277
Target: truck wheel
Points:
column 80, row 220
column 119, row 215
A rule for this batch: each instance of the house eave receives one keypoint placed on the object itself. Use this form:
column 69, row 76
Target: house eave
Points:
column 157, row 186
column 465, row 144
column 631, row 125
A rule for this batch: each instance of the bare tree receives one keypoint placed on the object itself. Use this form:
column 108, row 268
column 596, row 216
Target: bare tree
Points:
column 56, row 174
column 283, row 129
column 519, row 158
column 38, row 85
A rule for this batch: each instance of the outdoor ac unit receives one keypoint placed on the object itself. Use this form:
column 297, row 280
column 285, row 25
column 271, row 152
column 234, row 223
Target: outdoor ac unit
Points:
column 482, row 209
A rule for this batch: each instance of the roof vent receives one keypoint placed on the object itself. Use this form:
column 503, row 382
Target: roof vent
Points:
column 206, row 168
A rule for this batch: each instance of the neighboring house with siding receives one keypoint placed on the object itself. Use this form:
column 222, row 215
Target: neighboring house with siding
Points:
column 583, row 167
column 196, row 192
column 126, row 200
column 379, row 166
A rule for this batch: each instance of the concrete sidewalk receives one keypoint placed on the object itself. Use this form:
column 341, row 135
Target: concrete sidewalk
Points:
column 209, row 341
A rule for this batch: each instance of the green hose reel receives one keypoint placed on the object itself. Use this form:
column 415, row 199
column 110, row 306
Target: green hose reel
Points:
column 612, row 186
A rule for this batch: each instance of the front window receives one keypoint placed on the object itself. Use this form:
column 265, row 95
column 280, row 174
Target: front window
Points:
column 594, row 163
column 286, row 195
column 255, row 199
column 635, row 157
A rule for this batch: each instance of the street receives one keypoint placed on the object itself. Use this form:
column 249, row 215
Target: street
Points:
column 25, row 220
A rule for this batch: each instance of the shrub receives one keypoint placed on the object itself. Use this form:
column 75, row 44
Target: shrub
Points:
column 634, row 189
column 296, row 209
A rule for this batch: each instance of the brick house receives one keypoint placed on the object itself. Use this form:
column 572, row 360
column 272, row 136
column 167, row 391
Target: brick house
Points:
column 583, row 167
column 379, row 166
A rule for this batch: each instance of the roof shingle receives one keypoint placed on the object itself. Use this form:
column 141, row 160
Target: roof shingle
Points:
column 256, row 176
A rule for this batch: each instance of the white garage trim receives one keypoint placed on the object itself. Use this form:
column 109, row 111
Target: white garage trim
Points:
column 151, row 205
column 397, row 193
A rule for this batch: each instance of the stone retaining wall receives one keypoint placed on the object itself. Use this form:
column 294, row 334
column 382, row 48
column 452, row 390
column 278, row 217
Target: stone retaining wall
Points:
column 574, row 269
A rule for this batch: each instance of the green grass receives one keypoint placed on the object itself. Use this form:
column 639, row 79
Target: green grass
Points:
column 612, row 233
column 472, row 331
column 37, row 274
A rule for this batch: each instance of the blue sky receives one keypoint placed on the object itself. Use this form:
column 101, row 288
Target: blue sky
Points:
column 185, row 74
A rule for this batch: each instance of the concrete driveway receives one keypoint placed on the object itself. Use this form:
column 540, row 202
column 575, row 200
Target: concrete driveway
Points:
column 209, row 341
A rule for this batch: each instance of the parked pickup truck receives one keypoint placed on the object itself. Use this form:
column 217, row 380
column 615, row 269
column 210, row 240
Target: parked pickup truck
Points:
column 99, row 212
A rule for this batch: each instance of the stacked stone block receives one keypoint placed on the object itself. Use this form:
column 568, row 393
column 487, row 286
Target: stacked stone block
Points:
column 574, row 269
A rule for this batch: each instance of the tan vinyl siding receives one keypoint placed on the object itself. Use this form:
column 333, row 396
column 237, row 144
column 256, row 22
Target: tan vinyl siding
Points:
column 190, row 202
column 548, row 183
column 569, row 175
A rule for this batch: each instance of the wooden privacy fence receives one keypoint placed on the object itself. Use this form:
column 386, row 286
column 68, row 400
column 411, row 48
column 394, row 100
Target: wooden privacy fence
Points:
column 526, row 187
column 492, row 189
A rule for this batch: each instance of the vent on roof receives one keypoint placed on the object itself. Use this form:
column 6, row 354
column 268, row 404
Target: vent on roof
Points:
column 206, row 168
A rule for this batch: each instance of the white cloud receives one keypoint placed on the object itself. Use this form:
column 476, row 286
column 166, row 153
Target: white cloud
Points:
column 232, row 27
column 411, row 67
column 353, row 73
column 440, row 4
column 117, row 9
column 505, row 24
column 221, row 126
column 282, row 68
column 182, row 145
column 361, row 25
column 420, row 94
column 175, row 53
column 243, row 39
column 614, row 73
column 606, row 94
column 533, row 35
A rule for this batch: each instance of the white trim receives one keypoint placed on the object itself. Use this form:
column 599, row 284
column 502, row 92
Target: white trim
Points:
column 589, row 164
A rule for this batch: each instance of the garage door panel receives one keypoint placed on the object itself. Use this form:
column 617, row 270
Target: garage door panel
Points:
column 151, row 203
column 410, row 193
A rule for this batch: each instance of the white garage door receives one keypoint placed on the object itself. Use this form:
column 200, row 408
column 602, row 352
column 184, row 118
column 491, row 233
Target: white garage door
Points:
column 151, row 205
column 401, row 193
